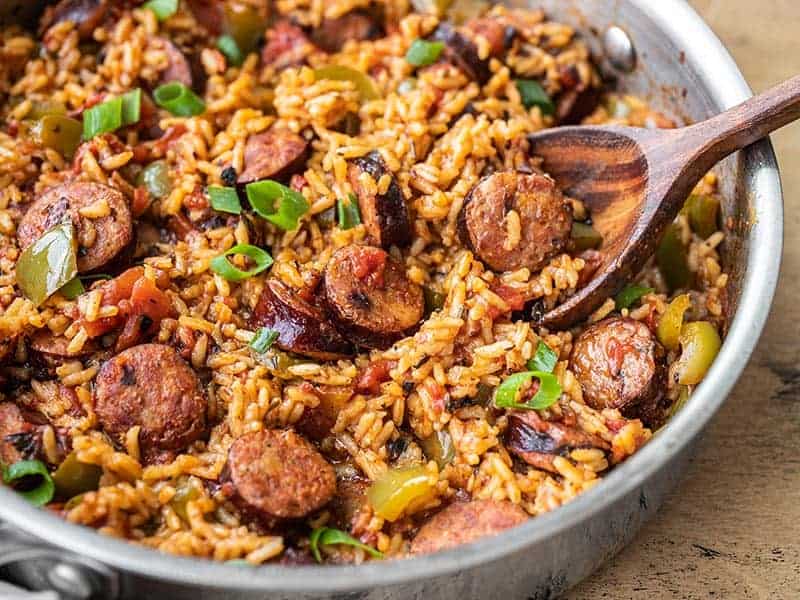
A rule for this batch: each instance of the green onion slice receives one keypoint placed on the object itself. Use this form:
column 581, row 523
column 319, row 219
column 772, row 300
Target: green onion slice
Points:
column 228, row 46
column 112, row 114
column 102, row 118
column 631, row 294
column 533, row 94
column 131, row 107
column 72, row 289
column 48, row 264
column 423, row 53
column 347, row 212
column 162, row 8
column 262, row 196
column 224, row 199
column 222, row 266
column 179, row 100
column 544, row 359
column 43, row 492
column 263, row 339
column 326, row 536
column 549, row 391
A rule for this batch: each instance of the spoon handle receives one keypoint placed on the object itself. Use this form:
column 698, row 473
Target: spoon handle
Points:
column 712, row 140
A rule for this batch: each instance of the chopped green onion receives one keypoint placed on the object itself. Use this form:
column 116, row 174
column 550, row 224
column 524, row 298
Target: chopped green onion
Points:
column 43, row 492
column 423, row 53
column 262, row 196
column 222, row 266
column 545, row 359
column 131, row 107
column 224, row 199
column 102, row 118
column 72, row 289
column 162, row 8
column 228, row 46
column 263, row 340
column 348, row 213
column 326, row 536
column 48, row 264
column 179, row 100
column 532, row 94
column 631, row 294
column 155, row 177
column 547, row 395
column 112, row 114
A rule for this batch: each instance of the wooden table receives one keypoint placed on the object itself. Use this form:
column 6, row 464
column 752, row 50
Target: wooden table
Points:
column 732, row 528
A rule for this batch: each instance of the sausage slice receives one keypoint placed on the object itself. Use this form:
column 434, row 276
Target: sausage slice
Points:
column 332, row 34
column 151, row 386
column 619, row 364
column 301, row 327
column 286, row 45
column 545, row 219
column 369, row 296
column 538, row 442
column 465, row 522
column 85, row 14
column 178, row 68
column 12, row 424
column 99, row 240
column 463, row 53
column 278, row 475
column 273, row 154
column 385, row 216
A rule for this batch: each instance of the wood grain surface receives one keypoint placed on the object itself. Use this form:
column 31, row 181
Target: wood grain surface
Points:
column 732, row 528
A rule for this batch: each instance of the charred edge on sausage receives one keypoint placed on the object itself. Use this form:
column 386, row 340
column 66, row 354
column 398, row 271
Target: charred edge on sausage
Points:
column 301, row 327
column 385, row 216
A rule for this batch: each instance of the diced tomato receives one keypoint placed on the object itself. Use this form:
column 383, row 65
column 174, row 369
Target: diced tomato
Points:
column 297, row 182
column 370, row 380
column 141, row 201
column 372, row 265
column 142, row 306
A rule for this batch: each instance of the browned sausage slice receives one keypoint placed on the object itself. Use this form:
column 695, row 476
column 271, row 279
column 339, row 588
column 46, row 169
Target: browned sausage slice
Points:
column 301, row 327
column 462, row 52
column 545, row 220
column 385, row 216
column 370, row 298
column 45, row 342
column 538, row 442
column 286, row 45
column 12, row 425
column 178, row 67
column 273, row 154
column 86, row 14
column 619, row 364
column 100, row 239
column 332, row 34
column 152, row 387
column 465, row 522
column 278, row 475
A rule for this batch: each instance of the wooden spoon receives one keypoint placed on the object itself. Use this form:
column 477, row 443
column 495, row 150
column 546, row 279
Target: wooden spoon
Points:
column 635, row 181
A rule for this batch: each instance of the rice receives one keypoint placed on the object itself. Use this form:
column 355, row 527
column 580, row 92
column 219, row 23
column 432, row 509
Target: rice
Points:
column 438, row 132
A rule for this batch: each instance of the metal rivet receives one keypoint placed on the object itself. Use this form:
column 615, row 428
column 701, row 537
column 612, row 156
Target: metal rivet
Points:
column 72, row 581
column 619, row 49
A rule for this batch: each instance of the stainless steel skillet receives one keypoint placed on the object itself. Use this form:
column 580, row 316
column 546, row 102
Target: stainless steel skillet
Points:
column 681, row 68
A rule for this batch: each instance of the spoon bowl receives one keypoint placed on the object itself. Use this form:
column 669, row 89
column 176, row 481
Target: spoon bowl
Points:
column 635, row 181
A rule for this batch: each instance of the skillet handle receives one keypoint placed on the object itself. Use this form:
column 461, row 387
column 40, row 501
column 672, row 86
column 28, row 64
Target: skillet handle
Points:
column 40, row 567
